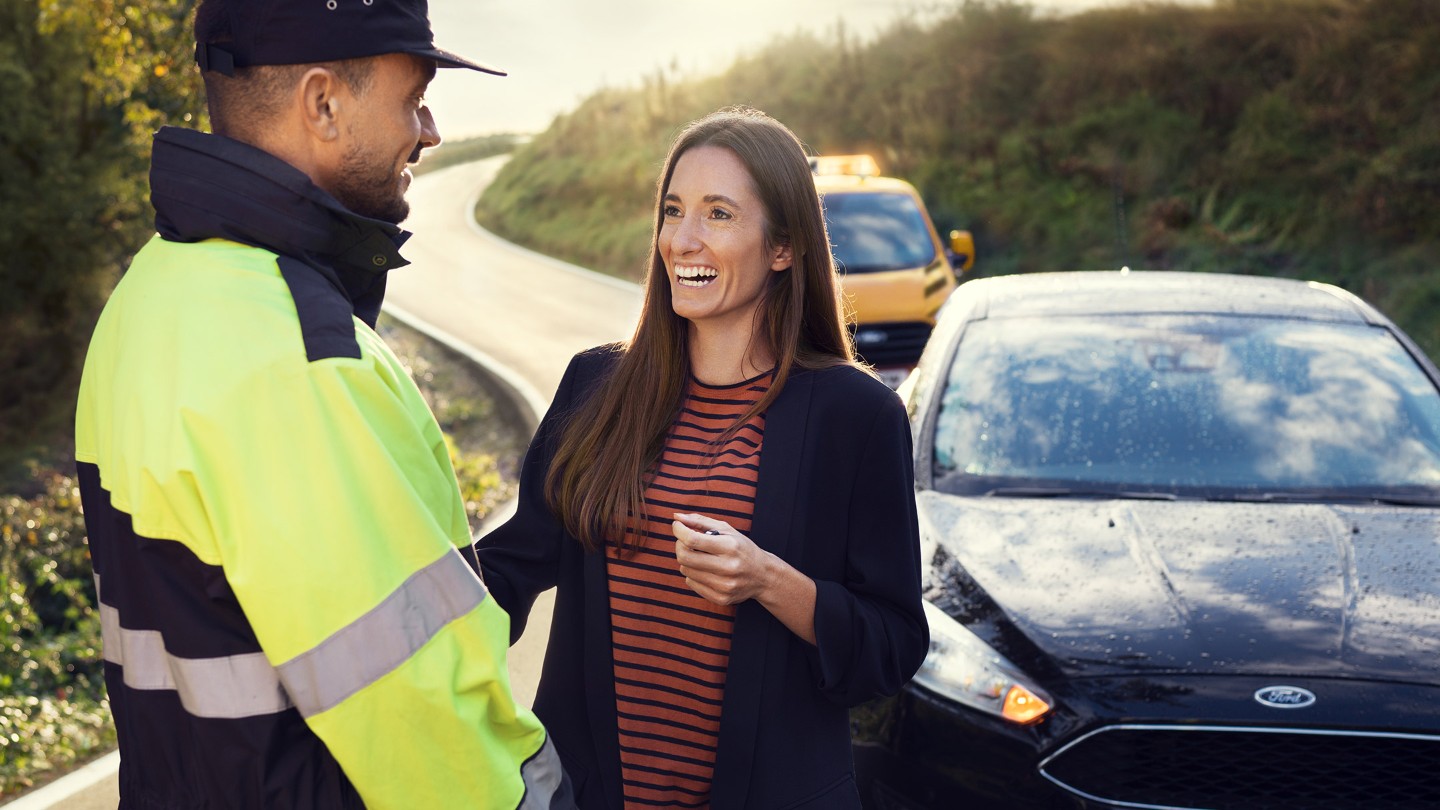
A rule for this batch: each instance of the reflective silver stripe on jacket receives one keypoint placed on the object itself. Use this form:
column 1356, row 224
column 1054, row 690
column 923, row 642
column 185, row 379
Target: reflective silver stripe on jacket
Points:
column 228, row 687
column 542, row 774
column 349, row 660
column 375, row 644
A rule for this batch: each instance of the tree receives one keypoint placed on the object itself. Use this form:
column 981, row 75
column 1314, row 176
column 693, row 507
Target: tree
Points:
column 85, row 84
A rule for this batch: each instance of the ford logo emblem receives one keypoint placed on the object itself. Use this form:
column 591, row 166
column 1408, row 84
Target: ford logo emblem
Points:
column 869, row 337
column 1285, row 697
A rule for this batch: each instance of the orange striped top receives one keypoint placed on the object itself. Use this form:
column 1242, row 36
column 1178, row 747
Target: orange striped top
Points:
column 672, row 647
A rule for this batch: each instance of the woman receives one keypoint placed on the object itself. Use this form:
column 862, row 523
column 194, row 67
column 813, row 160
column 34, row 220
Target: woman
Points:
column 707, row 653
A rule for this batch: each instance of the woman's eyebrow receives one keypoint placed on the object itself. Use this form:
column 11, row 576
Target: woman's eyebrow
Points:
column 709, row 198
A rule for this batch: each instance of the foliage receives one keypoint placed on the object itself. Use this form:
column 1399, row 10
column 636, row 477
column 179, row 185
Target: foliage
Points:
column 583, row 188
column 1283, row 137
column 86, row 82
column 52, row 707
column 481, row 485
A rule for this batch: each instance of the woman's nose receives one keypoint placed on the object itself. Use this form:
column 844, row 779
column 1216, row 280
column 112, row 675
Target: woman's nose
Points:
column 686, row 238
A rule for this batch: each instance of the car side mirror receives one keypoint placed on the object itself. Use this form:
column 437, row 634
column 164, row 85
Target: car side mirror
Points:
column 962, row 251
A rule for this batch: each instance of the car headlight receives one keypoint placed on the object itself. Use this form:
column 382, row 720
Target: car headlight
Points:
column 965, row 669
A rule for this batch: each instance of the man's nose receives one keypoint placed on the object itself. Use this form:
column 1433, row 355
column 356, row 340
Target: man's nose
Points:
column 429, row 133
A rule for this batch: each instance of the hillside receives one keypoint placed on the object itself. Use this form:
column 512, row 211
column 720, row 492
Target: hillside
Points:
column 1282, row 137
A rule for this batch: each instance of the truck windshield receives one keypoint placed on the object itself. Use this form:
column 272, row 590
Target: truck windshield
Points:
column 876, row 231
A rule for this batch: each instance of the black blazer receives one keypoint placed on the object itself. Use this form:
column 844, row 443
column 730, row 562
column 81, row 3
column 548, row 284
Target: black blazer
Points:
column 835, row 499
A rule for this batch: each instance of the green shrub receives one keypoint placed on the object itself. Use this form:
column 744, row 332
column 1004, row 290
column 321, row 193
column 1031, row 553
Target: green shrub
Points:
column 87, row 82
column 53, row 711
column 481, row 485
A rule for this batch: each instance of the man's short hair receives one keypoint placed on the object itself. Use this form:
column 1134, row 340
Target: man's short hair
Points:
column 243, row 104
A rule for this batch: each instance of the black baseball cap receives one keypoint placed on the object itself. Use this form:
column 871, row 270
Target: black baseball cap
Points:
column 294, row 32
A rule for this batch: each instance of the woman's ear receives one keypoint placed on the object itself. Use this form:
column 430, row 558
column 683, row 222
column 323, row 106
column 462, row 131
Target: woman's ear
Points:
column 783, row 259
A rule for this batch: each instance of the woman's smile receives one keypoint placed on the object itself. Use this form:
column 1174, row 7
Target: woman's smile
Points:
column 695, row 275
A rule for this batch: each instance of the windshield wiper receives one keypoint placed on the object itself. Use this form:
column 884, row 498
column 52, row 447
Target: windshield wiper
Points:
column 1328, row 497
column 1400, row 500
column 1068, row 492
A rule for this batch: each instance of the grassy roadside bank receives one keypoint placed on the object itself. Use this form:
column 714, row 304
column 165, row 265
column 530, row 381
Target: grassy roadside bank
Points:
column 1294, row 138
column 53, row 713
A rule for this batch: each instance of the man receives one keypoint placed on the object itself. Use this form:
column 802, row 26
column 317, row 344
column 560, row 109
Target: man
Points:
column 272, row 514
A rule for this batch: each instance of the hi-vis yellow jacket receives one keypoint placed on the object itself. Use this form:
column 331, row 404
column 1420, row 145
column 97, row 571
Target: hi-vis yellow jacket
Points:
column 275, row 525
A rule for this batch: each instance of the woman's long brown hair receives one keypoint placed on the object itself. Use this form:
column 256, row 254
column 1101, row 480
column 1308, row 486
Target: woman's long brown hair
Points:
column 596, row 480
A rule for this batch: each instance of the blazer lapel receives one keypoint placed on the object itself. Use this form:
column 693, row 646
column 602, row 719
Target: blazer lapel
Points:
column 757, row 636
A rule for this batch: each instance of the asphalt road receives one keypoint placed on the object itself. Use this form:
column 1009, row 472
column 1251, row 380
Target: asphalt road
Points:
column 529, row 312
column 521, row 313
column 525, row 314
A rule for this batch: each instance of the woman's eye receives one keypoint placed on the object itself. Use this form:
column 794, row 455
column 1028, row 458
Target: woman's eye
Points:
column 720, row 213
column 672, row 210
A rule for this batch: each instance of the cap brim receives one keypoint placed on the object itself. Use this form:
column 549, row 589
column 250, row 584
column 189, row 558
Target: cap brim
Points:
column 446, row 59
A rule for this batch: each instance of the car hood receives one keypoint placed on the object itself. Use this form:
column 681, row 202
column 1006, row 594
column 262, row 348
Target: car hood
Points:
column 1104, row 587
column 895, row 295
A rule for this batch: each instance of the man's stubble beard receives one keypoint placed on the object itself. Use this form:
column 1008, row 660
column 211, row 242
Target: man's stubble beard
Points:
column 368, row 186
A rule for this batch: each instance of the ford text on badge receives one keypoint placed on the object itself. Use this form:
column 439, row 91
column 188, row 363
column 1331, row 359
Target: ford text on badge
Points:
column 1285, row 697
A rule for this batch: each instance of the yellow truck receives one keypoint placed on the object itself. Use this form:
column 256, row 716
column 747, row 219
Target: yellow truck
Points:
column 893, row 268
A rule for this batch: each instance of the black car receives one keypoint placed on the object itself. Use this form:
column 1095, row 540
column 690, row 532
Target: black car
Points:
column 1182, row 550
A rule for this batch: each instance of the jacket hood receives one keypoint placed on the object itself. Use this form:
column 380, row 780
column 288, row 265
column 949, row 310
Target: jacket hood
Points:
column 1108, row 587
column 206, row 186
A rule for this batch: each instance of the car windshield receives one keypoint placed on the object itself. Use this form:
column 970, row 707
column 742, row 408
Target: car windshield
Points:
column 875, row 231
column 1186, row 405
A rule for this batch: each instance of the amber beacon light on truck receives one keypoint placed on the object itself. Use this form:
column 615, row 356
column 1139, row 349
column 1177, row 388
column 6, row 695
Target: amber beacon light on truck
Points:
column 894, row 270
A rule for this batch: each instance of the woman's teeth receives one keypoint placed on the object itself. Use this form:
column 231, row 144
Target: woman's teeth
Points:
column 694, row 275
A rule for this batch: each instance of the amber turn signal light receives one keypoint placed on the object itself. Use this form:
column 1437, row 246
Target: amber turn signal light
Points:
column 1023, row 707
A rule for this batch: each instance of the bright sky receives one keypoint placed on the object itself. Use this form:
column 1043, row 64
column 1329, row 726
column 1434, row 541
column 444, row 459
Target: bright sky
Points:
column 560, row 51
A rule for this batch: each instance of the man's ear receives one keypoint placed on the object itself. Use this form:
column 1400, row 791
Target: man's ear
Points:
column 322, row 103
column 783, row 259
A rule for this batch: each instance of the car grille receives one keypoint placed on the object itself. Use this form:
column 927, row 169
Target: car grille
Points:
column 1219, row 768
column 890, row 344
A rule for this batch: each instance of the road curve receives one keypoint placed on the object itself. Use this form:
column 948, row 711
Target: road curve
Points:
column 529, row 312
column 522, row 314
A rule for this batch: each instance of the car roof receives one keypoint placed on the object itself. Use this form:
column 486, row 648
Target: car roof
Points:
column 1150, row 291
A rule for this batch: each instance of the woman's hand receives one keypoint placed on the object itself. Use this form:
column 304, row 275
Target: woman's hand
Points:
column 725, row 567
column 719, row 563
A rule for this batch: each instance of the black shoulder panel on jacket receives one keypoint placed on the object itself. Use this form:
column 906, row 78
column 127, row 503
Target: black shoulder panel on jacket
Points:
column 325, row 313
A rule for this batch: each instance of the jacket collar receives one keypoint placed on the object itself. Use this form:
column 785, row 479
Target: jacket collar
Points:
column 207, row 186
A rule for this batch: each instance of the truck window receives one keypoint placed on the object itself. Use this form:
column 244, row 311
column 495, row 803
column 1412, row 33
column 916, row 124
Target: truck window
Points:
column 877, row 231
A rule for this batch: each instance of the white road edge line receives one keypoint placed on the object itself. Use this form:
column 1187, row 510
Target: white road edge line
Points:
column 533, row 399
column 62, row 790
